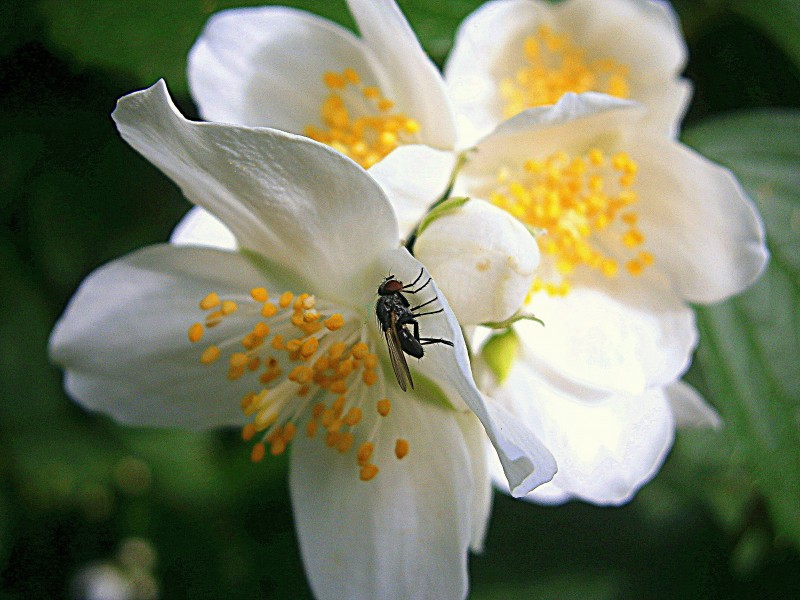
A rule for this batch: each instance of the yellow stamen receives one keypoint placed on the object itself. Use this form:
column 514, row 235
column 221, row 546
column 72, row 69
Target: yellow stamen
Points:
column 209, row 355
column 553, row 66
column 358, row 121
column 401, row 448
column 364, row 453
column 580, row 203
column 210, row 301
column 368, row 471
column 384, row 406
column 259, row 294
column 195, row 332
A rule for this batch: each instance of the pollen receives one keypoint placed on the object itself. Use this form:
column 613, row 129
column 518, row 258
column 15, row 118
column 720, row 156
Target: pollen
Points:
column 307, row 368
column 584, row 204
column 368, row 471
column 401, row 448
column 359, row 121
column 553, row 65
column 384, row 406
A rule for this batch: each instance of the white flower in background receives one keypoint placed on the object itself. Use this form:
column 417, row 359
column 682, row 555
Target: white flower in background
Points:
column 510, row 55
column 636, row 227
column 292, row 70
column 389, row 489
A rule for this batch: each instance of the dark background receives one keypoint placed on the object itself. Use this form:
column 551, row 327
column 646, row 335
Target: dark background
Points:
column 188, row 514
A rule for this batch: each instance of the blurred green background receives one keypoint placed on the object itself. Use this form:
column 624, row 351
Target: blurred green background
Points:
column 187, row 515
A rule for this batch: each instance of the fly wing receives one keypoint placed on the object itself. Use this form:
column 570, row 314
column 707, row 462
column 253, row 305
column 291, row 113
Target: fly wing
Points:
column 399, row 364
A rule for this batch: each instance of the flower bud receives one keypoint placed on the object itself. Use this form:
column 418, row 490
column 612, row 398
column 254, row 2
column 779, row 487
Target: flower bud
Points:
column 483, row 260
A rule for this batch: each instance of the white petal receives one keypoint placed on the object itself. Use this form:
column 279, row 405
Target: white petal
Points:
column 264, row 66
column 643, row 35
column 200, row 228
column 613, row 336
column 484, row 51
column 477, row 442
column 413, row 81
column 526, row 461
column 482, row 258
column 299, row 203
column 703, row 230
column 690, row 409
column 577, row 123
column 403, row 534
column 413, row 177
column 605, row 450
column 123, row 338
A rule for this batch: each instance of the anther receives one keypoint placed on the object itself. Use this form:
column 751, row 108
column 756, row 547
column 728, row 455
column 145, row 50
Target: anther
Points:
column 367, row 472
column 210, row 301
column 384, row 406
column 209, row 355
column 195, row 332
column 401, row 448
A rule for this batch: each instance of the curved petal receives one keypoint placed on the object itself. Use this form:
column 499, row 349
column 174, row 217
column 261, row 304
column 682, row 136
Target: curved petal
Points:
column 413, row 177
column 482, row 55
column 611, row 336
column 689, row 407
column 483, row 258
column 200, row 228
column 702, row 228
column 122, row 339
column 413, row 80
column 404, row 533
column 605, row 450
column 526, row 461
column 643, row 35
column 299, row 203
column 477, row 442
column 264, row 66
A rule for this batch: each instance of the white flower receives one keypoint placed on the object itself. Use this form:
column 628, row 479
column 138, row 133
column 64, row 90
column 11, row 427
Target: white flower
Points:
column 295, row 71
column 487, row 273
column 389, row 488
column 378, row 99
column 636, row 227
column 510, row 55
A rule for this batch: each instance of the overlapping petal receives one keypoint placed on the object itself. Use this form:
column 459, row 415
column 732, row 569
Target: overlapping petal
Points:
column 606, row 450
column 312, row 210
column 264, row 66
column 123, row 338
column 395, row 538
column 642, row 35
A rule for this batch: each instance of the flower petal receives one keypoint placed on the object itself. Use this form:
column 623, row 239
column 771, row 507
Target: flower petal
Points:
column 644, row 36
column 613, row 336
column 123, row 343
column 402, row 534
column 301, row 204
column 477, row 442
column 200, row 228
column 690, row 409
column 413, row 177
column 526, row 461
column 413, row 81
column 702, row 228
column 264, row 66
column 605, row 450
column 487, row 274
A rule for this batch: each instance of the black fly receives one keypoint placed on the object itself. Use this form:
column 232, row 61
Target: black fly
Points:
column 395, row 314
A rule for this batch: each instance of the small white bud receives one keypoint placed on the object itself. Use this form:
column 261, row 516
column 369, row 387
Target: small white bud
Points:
column 483, row 260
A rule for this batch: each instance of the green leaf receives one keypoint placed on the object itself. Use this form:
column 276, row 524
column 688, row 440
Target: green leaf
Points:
column 778, row 19
column 750, row 344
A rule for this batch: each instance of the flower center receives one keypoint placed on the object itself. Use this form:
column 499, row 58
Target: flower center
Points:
column 553, row 67
column 359, row 121
column 583, row 205
column 312, row 368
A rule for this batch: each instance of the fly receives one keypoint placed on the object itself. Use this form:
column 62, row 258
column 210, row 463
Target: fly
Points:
column 395, row 315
